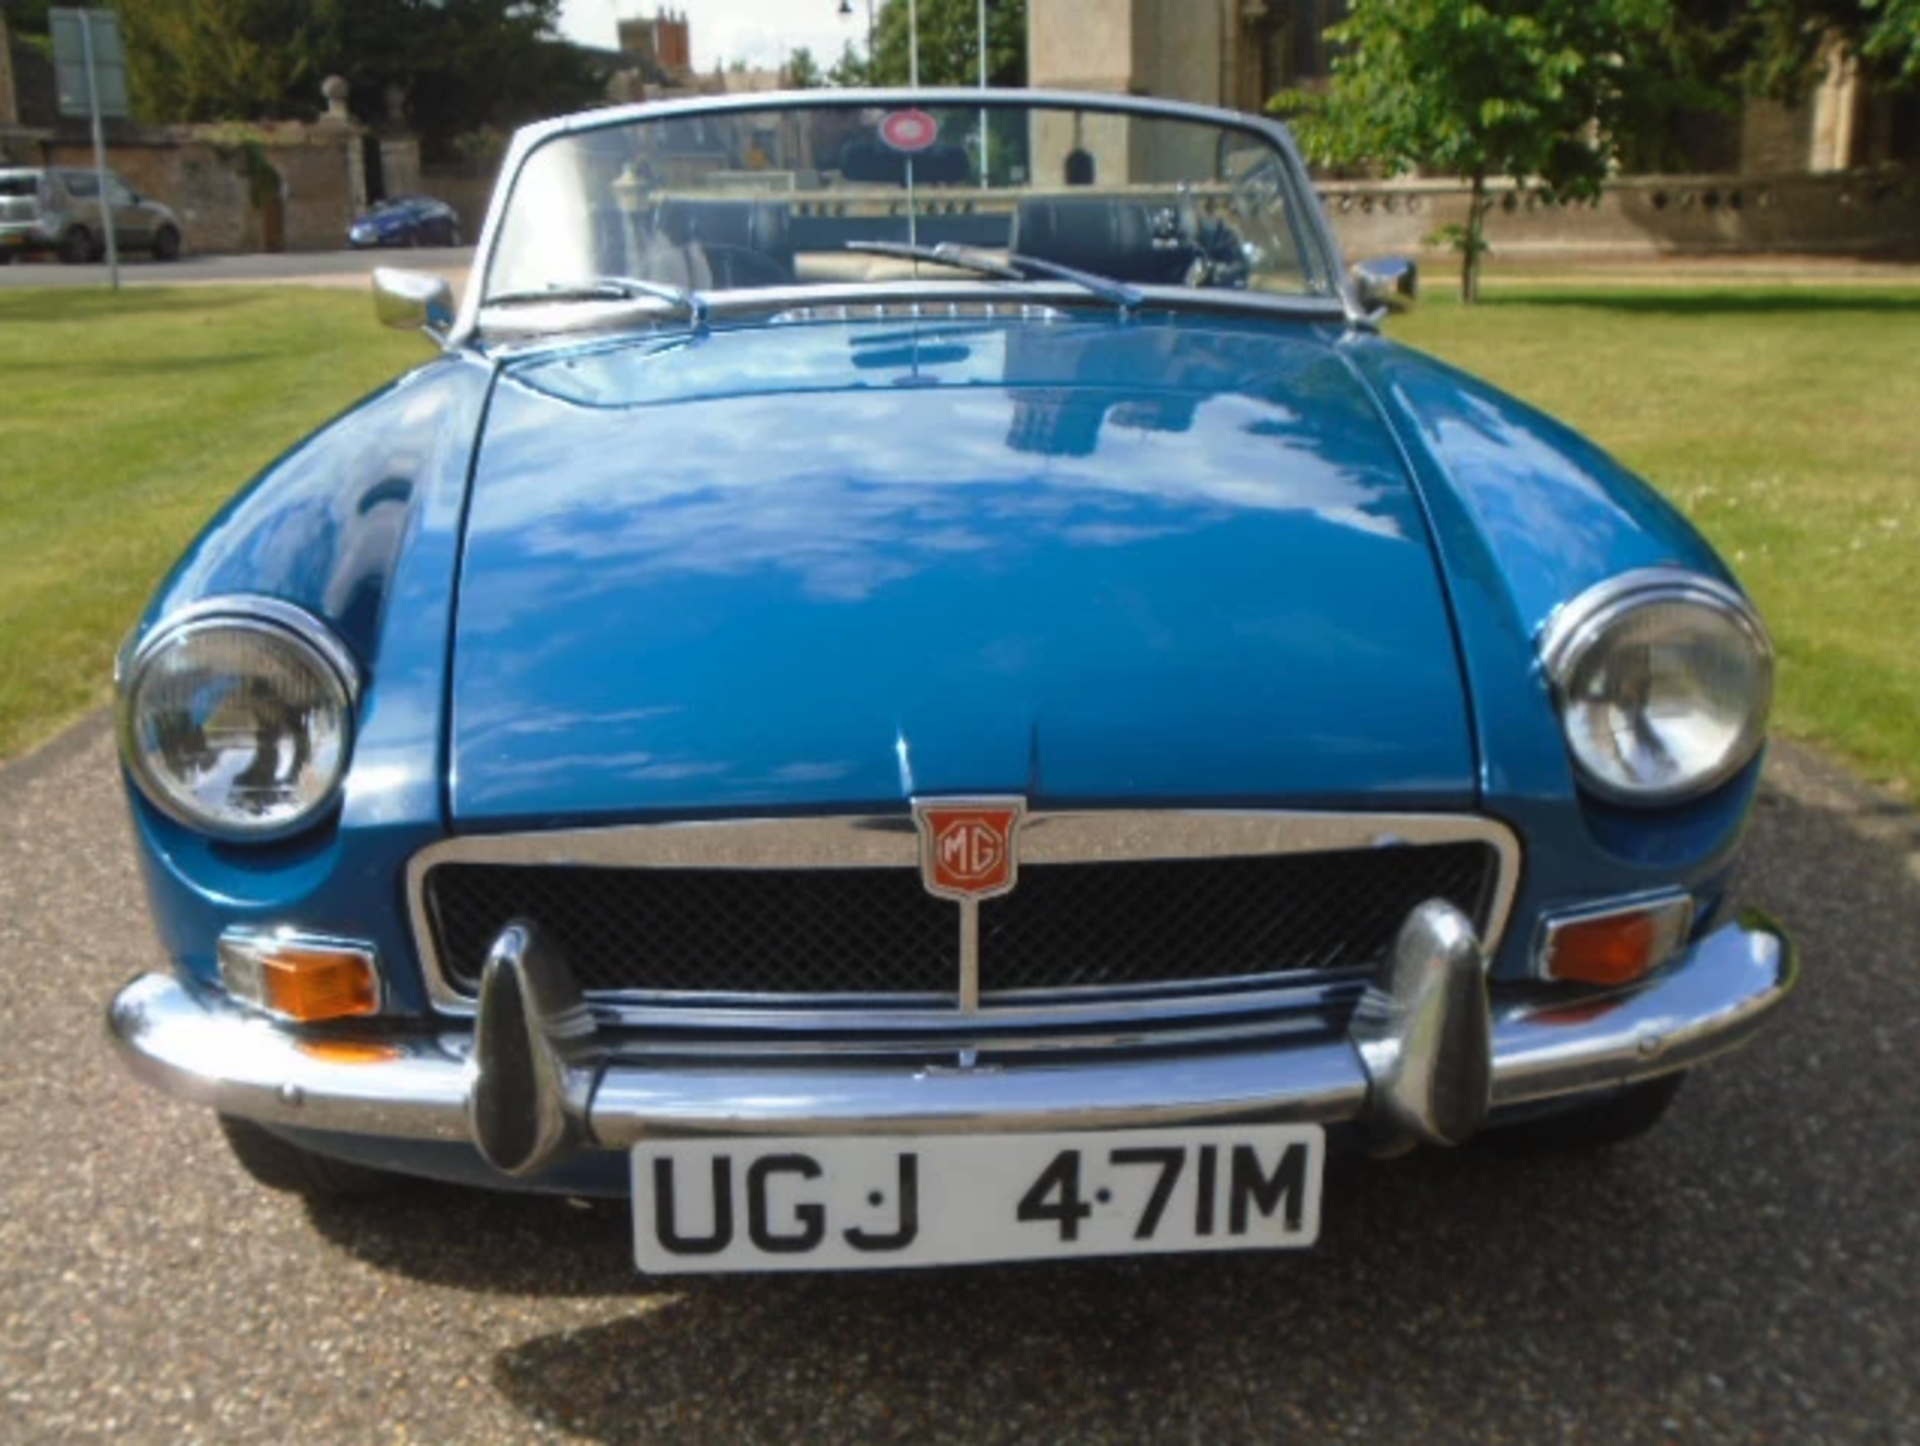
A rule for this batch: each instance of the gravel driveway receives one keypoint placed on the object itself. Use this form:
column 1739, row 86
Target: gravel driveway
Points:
column 1749, row 1272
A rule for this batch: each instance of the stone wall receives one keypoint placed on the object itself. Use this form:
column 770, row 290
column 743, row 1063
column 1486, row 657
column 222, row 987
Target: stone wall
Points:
column 1849, row 213
column 469, row 194
column 323, row 189
column 205, row 188
column 1775, row 138
column 203, row 173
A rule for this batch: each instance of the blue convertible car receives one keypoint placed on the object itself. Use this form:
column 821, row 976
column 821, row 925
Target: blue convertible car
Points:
column 918, row 683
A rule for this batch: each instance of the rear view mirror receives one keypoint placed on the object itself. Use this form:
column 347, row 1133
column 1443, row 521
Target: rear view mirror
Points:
column 412, row 300
column 1389, row 282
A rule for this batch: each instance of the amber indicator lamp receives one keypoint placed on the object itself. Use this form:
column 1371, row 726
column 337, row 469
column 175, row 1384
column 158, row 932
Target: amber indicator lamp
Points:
column 1619, row 946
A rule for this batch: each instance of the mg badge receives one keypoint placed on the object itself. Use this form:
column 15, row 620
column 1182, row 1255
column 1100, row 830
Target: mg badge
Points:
column 968, row 846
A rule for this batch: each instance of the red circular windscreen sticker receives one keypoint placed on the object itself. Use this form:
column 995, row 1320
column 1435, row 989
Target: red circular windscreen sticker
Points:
column 909, row 130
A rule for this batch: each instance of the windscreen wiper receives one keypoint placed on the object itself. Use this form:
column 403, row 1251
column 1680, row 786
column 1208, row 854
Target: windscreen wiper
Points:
column 609, row 288
column 1016, row 267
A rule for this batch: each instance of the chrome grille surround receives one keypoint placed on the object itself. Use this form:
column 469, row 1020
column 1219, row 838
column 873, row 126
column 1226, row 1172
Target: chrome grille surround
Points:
column 1213, row 1007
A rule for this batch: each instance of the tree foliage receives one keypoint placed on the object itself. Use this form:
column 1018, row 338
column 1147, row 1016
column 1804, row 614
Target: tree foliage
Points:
column 850, row 70
column 236, row 60
column 1553, row 91
column 802, row 71
column 457, row 65
column 950, row 43
column 1790, row 42
column 27, row 21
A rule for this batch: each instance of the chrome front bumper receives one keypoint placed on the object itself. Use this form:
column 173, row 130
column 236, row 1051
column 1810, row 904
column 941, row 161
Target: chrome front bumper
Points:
column 1425, row 1057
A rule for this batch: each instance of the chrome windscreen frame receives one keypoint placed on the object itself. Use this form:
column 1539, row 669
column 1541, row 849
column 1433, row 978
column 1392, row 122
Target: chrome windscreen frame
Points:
column 892, row 841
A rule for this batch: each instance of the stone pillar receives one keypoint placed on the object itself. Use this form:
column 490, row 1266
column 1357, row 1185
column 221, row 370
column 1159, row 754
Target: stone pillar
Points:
column 338, row 122
column 1082, row 44
column 1836, row 111
column 400, row 165
column 335, row 90
column 1179, row 49
column 356, row 176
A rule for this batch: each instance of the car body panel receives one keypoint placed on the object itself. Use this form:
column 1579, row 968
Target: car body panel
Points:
column 360, row 526
column 1045, row 560
column 1526, row 514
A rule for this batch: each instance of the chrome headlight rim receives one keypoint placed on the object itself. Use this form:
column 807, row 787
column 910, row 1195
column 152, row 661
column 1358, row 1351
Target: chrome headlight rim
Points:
column 1578, row 627
column 285, row 622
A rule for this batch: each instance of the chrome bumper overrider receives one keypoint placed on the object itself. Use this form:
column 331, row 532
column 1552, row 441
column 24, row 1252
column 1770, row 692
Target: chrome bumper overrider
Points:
column 1426, row 1056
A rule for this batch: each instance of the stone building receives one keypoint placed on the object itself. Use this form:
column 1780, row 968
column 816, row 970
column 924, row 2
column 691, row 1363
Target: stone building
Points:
column 1234, row 53
column 655, row 62
column 664, row 43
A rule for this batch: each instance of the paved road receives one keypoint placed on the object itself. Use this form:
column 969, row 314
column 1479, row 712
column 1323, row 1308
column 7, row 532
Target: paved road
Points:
column 341, row 268
column 1751, row 1272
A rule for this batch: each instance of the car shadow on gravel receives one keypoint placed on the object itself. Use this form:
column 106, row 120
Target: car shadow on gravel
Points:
column 1417, row 1261
column 481, row 1240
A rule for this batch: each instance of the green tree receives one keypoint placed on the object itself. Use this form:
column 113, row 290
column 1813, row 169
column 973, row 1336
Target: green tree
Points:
column 803, row 71
column 457, row 65
column 1891, row 45
column 1552, row 91
column 1790, row 42
column 850, row 70
column 950, row 43
column 231, row 60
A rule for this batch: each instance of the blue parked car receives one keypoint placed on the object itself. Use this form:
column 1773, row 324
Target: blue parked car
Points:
column 407, row 221
column 901, row 725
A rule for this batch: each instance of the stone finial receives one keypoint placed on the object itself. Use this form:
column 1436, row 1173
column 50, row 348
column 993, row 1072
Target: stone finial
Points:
column 335, row 90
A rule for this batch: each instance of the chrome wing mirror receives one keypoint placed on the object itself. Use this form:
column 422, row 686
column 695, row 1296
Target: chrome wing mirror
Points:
column 1390, row 283
column 412, row 301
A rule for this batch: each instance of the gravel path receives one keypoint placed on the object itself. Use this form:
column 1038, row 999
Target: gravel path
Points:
column 1749, row 1272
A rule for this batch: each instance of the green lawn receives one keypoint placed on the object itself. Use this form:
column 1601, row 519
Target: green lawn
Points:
column 1785, row 419
column 125, row 420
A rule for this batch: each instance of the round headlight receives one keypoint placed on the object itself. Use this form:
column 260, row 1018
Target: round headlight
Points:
column 1663, row 679
column 240, row 723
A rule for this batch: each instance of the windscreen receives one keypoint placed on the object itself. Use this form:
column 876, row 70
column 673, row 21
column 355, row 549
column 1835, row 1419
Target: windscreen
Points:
column 806, row 193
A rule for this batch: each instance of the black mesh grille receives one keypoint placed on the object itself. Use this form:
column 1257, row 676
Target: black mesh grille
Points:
column 764, row 931
column 877, row 931
column 1187, row 920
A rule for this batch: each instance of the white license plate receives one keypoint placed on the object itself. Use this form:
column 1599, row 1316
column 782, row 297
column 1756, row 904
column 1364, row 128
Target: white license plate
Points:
column 866, row 1203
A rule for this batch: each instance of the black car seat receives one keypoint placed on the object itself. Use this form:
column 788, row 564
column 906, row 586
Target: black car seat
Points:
column 1095, row 233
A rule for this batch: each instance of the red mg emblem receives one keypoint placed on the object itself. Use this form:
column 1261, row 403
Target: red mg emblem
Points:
column 967, row 845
